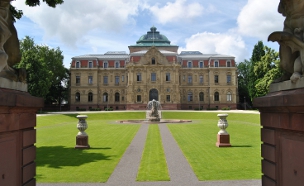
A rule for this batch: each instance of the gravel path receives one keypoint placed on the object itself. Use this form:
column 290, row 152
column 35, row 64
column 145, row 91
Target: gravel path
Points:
column 181, row 174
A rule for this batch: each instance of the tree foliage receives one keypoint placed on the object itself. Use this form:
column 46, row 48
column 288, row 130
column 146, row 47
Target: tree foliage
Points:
column 45, row 70
column 17, row 14
column 256, row 75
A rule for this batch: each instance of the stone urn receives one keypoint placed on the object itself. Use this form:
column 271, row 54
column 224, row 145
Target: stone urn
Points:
column 223, row 138
column 222, row 123
column 82, row 125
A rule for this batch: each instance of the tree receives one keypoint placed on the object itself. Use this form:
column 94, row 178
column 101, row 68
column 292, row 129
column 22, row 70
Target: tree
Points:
column 44, row 67
column 257, row 53
column 266, row 70
column 17, row 14
column 243, row 80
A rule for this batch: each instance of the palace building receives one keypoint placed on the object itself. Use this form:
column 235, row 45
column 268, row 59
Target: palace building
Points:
column 153, row 69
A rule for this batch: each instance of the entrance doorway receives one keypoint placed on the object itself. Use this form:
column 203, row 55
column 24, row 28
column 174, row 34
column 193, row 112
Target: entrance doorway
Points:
column 153, row 94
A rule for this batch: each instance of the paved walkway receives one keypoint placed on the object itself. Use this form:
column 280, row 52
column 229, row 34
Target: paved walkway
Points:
column 180, row 171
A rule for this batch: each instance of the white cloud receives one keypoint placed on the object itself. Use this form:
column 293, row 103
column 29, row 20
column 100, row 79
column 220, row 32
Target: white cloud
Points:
column 259, row 19
column 73, row 19
column 217, row 43
column 178, row 11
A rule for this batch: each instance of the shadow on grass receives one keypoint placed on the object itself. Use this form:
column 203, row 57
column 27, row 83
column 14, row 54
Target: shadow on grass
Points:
column 72, row 115
column 241, row 146
column 60, row 156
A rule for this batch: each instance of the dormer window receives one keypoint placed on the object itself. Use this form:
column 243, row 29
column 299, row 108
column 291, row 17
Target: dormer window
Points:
column 90, row 64
column 77, row 64
column 189, row 64
column 228, row 64
column 153, row 61
column 216, row 64
column 201, row 64
column 117, row 65
column 105, row 64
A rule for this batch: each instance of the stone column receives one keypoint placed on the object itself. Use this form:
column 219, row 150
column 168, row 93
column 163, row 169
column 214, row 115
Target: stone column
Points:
column 18, row 136
column 282, row 134
column 223, row 138
column 82, row 139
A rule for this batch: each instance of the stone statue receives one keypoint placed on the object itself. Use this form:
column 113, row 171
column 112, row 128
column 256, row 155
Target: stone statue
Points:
column 291, row 40
column 9, row 45
column 154, row 106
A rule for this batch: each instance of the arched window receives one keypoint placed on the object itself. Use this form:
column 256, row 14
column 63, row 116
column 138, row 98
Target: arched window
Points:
column 190, row 96
column 229, row 96
column 77, row 64
column 77, row 97
column 216, row 96
column 90, row 97
column 201, row 64
column 117, row 64
column 201, row 96
column 117, row 97
column 216, row 64
column 153, row 61
column 105, row 97
column 189, row 64
column 105, row 64
column 90, row 64
column 228, row 64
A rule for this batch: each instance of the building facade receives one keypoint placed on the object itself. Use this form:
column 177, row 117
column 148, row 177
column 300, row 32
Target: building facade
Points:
column 153, row 69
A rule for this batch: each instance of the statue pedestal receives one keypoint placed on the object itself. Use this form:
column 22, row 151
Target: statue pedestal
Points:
column 223, row 140
column 282, row 135
column 82, row 142
column 17, row 137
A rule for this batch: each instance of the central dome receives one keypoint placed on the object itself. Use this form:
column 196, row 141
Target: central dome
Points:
column 153, row 38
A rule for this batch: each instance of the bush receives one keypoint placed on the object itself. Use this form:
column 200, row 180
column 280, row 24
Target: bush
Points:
column 212, row 108
column 226, row 108
column 81, row 109
column 95, row 109
column 109, row 109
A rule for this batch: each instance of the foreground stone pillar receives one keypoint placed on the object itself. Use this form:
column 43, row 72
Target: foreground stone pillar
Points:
column 82, row 139
column 282, row 135
column 223, row 138
column 17, row 137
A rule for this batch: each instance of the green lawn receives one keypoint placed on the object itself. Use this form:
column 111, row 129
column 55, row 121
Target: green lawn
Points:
column 58, row 161
column 197, row 141
column 153, row 166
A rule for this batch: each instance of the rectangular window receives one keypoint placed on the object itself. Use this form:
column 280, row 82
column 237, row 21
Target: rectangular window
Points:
column 77, row 80
column 122, row 78
column 90, row 79
column 189, row 79
column 116, row 80
column 201, row 79
column 138, row 98
column 168, row 77
column 168, row 97
column 153, row 76
column 201, row 64
column 216, row 79
column 105, row 79
column 90, row 64
column 228, row 78
column 138, row 77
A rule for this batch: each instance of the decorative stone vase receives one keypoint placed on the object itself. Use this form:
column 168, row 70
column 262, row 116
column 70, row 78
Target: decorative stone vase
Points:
column 82, row 125
column 222, row 123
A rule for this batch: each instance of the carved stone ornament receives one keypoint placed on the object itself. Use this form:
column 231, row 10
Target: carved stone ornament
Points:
column 9, row 49
column 291, row 40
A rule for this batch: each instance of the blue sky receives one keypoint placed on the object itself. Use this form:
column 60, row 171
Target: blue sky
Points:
column 80, row 27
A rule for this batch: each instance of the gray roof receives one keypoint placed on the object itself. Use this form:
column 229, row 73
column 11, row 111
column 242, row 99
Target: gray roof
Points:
column 161, row 51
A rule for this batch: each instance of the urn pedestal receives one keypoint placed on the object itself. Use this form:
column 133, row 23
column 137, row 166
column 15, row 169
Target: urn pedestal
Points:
column 223, row 138
column 82, row 139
